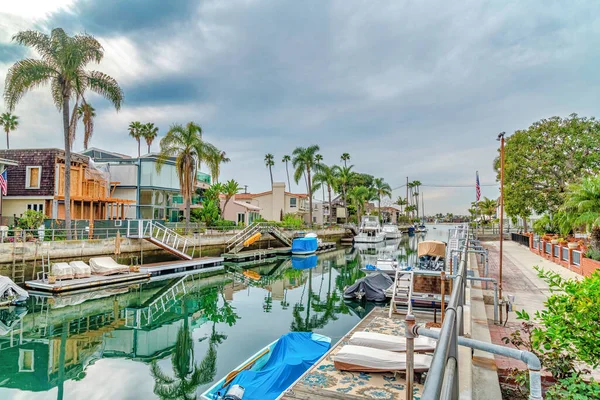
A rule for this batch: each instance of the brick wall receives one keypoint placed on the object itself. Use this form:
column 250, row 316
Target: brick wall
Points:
column 16, row 175
column 430, row 284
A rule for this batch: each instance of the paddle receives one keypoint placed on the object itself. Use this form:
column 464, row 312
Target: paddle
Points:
column 231, row 376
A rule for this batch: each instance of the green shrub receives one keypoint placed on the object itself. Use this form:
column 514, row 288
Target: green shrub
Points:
column 31, row 219
column 223, row 223
column 594, row 254
column 574, row 388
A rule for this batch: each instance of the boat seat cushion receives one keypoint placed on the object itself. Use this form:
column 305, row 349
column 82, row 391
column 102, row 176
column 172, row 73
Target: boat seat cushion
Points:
column 62, row 270
column 367, row 359
column 390, row 342
column 81, row 269
column 106, row 266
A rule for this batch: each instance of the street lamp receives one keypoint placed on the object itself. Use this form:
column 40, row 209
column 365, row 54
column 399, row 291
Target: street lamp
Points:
column 501, row 140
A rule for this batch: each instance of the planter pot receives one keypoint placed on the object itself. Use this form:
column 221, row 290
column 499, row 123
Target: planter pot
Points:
column 51, row 280
column 134, row 268
column 554, row 241
column 573, row 246
column 588, row 266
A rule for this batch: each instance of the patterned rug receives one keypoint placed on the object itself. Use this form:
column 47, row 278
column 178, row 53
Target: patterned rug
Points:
column 379, row 386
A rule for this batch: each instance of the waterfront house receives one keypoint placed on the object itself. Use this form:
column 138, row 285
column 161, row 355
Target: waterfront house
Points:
column 155, row 195
column 37, row 183
column 338, row 209
column 240, row 212
column 275, row 203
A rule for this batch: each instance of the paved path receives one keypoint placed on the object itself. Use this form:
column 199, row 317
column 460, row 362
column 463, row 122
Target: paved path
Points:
column 520, row 280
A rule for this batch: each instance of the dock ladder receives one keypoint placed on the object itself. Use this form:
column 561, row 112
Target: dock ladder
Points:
column 402, row 291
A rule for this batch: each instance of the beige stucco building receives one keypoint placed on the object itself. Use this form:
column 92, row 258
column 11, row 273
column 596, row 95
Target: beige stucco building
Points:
column 274, row 204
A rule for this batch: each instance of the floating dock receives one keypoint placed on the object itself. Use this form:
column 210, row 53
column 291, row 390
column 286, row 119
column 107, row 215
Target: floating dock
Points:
column 81, row 284
column 264, row 254
column 179, row 267
column 323, row 381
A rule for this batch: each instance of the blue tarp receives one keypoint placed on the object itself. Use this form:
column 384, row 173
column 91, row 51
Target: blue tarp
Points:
column 304, row 262
column 293, row 355
column 305, row 245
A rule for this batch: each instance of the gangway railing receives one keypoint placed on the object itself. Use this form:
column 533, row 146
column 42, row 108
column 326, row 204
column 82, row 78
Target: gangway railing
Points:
column 161, row 236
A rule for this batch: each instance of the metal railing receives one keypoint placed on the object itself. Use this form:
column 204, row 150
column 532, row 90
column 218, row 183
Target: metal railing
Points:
column 443, row 377
column 521, row 239
column 160, row 235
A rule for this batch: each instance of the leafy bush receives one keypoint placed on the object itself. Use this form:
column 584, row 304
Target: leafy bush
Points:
column 31, row 219
column 575, row 388
column 593, row 254
column 223, row 223
column 292, row 221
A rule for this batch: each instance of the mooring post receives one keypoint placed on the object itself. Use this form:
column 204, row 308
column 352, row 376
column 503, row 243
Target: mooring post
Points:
column 410, row 355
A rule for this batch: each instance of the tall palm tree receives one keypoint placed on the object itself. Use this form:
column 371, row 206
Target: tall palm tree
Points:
column 344, row 177
column 326, row 176
column 230, row 189
column 318, row 159
column 286, row 159
column 416, row 186
column 269, row 162
column 149, row 133
column 87, row 113
column 10, row 122
column 185, row 143
column 214, row 161
column 304, row 161
column 136, row 131
column 381, row 189
column 401, row 201
column 345, row 157
column 359, row 195
column 62, row 65
column 488, row 207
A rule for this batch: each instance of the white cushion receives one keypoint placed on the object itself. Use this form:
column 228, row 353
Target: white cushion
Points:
column 390, row 342
column 356, row 357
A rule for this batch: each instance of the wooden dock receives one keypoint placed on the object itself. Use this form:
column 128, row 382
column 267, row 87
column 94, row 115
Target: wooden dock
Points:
column 322, row 381
column 265, row 254
column 90, row 283
column 177, row 268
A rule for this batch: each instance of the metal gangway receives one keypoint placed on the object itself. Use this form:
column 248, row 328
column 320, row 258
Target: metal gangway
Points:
column 161, row 236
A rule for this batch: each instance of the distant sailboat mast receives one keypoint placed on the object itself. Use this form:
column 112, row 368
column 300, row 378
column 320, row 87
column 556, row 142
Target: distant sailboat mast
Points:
column 422, row 208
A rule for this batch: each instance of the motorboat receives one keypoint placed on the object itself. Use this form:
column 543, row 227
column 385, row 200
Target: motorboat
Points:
column 11, row 293
column 370, row 231
column 432, row 255
column 386, row 262
column 267, row 374
column 391, row 232
column 305, row 245
column 421, row 228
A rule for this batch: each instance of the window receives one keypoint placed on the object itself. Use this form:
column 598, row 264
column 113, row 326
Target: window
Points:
column 36, row 207
column 293, row 201
column 26, row 360
column 33, row 177
column 241, row 218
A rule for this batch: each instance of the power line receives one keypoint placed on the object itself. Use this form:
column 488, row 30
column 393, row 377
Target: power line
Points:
column 449, row 186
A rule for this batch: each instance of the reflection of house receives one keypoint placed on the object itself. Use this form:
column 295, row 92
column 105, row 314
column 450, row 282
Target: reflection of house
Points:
column 275, row 203
column 37, row 183
column 154, row 194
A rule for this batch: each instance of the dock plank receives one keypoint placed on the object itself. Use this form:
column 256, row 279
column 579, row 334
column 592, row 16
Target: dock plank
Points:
column 92, row 282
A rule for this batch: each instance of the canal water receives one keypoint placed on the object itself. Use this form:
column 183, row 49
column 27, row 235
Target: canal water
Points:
column 98, row 345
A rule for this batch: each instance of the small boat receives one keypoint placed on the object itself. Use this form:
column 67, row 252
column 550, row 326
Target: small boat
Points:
column 421, row 228
column 252, row 239
column 370, row 231
column 11, row 293
column 372, row 287
column 391, row 232
column 411, row 230
column 387, row 262
column 271, row 371
column 305, row 245
column 432, row 255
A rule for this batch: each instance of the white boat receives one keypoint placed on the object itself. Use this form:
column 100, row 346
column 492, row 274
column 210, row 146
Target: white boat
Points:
column 387, row 262
column 391, row 231
column 370, row 231
column 10, row 292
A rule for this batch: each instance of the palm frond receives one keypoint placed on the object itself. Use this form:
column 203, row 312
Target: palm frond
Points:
column 106, row 86
column 38, row 41
column 159, row 375
column 90, row 49
column 24, row 76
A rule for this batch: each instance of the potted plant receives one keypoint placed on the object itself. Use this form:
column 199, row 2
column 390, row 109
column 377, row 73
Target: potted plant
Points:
column 554, row 239
column 51, row 279
column 563, row 241
column 573, row 245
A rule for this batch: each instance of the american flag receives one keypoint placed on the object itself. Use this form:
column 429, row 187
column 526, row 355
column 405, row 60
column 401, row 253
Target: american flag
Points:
column 477, row 187
column 3, row 183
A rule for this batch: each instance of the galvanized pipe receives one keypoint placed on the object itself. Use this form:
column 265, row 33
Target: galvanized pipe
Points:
column 533, row 362
column 449, row 376
column 410, row 355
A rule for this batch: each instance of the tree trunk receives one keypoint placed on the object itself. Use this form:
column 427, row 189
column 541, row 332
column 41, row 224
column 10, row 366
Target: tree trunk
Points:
column 379, row 209
column 67, row 189
column 345, row 203
column 7, row 144
column 595, row 238
column 310, row 209
column 139, row 148
column 188, row 207
column 148, row 149
column 330, row 209
column 271, row 173
column 287, row 172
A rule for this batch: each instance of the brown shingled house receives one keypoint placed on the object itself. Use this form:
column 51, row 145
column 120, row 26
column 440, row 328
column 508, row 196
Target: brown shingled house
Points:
column 37, row 183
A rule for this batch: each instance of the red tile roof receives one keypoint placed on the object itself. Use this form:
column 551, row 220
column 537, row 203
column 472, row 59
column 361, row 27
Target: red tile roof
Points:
column 241, row 196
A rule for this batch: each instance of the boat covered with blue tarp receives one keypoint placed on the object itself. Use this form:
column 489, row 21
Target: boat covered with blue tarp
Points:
column 268, row 373
column 305, row 262
column 305, row 245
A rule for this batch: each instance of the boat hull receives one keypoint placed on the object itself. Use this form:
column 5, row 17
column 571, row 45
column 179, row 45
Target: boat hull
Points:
column 369, row 239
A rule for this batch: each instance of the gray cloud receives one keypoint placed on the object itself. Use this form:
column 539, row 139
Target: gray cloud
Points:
column 407, row 88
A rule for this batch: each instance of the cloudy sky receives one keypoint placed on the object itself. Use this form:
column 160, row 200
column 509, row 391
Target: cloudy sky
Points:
column 408, row 88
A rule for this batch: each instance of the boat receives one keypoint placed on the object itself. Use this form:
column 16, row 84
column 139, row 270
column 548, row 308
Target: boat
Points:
column 386, row 262
column 372, row 287
column 10, row 293
column 432, row 255
column 421, row 228
column 411, row 230
column 370, row 231
column 391, row 232
column 304, row 262
column 272, row 370
column 305, row 245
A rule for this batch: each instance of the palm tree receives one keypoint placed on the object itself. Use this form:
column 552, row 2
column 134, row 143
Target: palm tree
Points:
column 269, row 162
column 318, row 159
column 149, row 133
column 381, row 189
column 345, row 157
column 304, row 161
column 62, row 65
column 401, row 201
column 214, row 161
column 359, row 195
column 286, row 159
column 414, row 192
column 185, row 143
column 488, row 207
column 10, row 122
column 230, row 189
column 582, row 208
column 136, row 131
column 326, row 176
column 344, row 175
column 87, row 113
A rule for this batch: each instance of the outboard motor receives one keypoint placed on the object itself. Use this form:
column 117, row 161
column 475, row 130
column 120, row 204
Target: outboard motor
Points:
column 236, row 392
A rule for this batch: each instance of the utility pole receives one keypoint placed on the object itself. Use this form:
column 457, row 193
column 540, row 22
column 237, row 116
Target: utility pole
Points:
column 501, row 139
column 407, row 199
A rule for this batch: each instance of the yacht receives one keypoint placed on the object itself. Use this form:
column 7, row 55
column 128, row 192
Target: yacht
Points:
column 391, row 231
column 370, row 231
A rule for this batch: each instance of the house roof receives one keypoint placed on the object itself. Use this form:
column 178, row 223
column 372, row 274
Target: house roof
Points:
column 248, row 196
column 247, row 205
column 244, row 196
